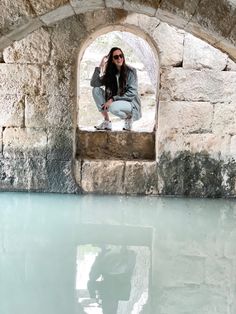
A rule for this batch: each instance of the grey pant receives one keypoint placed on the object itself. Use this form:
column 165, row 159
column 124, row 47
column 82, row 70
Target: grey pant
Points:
column 120, row 108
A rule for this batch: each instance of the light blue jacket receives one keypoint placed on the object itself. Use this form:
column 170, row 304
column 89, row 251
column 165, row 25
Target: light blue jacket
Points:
column 131, row 90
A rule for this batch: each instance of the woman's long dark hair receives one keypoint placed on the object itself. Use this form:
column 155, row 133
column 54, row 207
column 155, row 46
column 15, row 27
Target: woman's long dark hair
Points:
column 109, row 78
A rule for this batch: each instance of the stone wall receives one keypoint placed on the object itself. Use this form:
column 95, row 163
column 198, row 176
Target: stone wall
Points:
column 195, row 128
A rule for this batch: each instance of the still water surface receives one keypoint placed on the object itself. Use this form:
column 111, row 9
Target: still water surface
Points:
column 69, row 254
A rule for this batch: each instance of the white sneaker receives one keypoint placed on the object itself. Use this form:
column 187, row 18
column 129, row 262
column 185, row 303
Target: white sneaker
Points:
column 105, row 125
column 128, row 124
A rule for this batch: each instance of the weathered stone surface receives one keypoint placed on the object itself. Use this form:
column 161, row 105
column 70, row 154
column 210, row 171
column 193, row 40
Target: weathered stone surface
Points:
column 184, row 9
column 0, row 141
column 184, row 117
column 47, row 111
column 60, row 143
column 57, row 14
column 12, row 110
column 170, row 44
column 20, row 79
column 193, row 175
column 41, row 7
column 118, row 4
column 223, row 18
column 66, row 32
column 60, row 178
column 192, row 85
column 233, row 146
column 214, row 145
column 82, row 6
column 14, row 14
column 139, row 7
column 115, row 145
column 19, row 142
column 140, row 177
column 4, row 42
column 35, row 48
column 224, row 121
column 25, row 29
column 231, row 65
column 23, row 174
column 198, row 54
column 102, row 176
column 58, row 80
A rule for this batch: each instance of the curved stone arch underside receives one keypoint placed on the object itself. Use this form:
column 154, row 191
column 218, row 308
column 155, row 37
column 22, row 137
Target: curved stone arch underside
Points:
column 212, row 21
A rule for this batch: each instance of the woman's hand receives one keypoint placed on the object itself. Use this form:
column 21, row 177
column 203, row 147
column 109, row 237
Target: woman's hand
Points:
column 103, row 63
column 107, row 104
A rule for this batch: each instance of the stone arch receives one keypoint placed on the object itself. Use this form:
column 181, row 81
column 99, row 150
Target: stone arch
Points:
column 123, row 28
column 212, row 21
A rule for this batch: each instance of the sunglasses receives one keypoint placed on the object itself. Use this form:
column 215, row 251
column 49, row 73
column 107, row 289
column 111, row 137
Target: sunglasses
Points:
column 116, row 57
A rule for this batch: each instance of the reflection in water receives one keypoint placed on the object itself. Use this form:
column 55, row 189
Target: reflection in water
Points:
column 113, row 279
column 183, row 252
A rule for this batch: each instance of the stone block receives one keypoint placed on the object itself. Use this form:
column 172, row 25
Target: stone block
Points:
column 184, row 117
column 102, row 176
column 83, row 6
column 116, row 145
column 27, row 142
column 221, row 21
column 60, row 143
column 193, row 85
column 57, row 14
column 35, row 48
column 140, row 7
column 12, row 110
column 20, row 79
column 23, row 174
column 115, row 4
column 22, row 31
column 218, row 272
column 140, row 177
column 224, row 121
column 231, row 65
column 60, row 177
column 42, row 7
column 198, row 54
column 49, row 111
column 5, row 42
column 170, row 44
column 14, row 14
column 66, row 32
column 58, row 80
column 213, row 145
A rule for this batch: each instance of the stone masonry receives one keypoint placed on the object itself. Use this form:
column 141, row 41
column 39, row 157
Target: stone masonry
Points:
column 195, row 129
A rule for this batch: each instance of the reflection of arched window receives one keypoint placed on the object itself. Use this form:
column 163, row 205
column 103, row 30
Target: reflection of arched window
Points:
column 139, row 55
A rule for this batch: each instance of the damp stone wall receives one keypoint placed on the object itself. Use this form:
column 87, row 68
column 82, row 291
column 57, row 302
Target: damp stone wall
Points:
column 195, row 129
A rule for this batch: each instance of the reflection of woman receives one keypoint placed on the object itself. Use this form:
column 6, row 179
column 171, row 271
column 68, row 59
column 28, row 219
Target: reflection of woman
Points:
column 120, row 96
column 115, row 266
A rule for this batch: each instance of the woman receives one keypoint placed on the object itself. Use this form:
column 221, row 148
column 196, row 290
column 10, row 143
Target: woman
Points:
column 120, row 96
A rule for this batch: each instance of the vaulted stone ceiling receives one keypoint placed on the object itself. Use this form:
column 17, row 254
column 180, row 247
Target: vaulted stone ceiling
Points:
column 213, row 21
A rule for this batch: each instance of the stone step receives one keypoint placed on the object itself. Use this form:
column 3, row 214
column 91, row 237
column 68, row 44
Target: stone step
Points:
column 117, row 176
column 112, row 145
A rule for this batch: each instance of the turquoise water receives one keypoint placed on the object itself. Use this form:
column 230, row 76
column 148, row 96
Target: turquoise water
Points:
column 185, row 253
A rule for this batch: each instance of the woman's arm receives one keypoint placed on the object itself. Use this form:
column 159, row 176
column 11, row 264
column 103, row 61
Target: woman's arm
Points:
column 131, row 88
column 96, row 80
